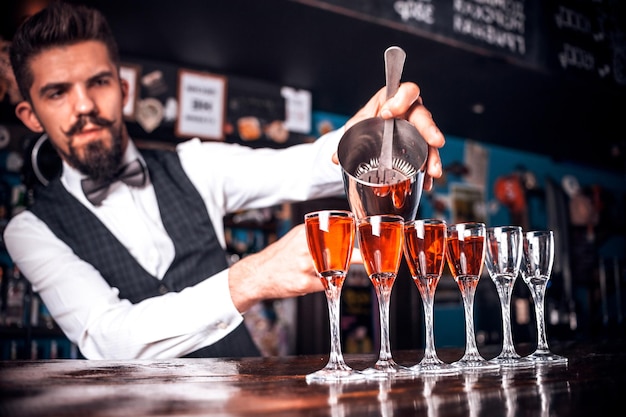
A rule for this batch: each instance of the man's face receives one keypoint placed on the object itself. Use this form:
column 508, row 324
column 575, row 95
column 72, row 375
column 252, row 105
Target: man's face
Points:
column 77, row 99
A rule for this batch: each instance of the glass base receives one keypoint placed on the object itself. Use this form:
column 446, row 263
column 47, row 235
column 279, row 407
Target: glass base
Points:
column 444, row 369
column 513, row 362
column 388, row 369
column 475, row 363
column 435, row 366
column 335, row 372
column 547, row 357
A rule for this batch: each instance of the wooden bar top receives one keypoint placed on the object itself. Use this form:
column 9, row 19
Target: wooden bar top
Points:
column 592, row 383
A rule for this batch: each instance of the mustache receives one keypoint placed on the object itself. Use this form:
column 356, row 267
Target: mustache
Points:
column 83, row 120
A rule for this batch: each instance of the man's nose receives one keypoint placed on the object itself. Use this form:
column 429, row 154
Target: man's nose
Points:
column 83, row 102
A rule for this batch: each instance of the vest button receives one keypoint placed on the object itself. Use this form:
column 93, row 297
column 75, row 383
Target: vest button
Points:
column 163, row 289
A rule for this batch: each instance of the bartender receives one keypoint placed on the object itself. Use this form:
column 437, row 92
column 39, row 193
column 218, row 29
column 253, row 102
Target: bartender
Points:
column 126, row 247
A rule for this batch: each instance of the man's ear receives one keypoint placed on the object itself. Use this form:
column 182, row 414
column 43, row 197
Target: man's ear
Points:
column 24, row 111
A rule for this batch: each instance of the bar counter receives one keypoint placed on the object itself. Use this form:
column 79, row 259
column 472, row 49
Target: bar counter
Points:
column 592, row 383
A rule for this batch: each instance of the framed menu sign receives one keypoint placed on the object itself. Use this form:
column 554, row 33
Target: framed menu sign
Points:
column 201, row 103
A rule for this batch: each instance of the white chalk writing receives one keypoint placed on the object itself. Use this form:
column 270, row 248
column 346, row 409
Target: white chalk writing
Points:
column 498, row 23
column 567, row 18
column 489, row 34
column 421, row 11
column 573, row 56
column 510, row 16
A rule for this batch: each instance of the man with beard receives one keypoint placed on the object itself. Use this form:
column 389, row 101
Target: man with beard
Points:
column 136, row 268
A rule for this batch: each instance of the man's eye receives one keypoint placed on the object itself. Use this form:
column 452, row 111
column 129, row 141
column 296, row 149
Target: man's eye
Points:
column 54, row 94
column 102, row 81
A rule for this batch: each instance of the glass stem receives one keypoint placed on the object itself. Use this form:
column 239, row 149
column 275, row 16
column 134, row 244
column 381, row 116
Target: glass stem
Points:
column 538, row 292
column 468, row 292
column 504, row 292
column 332, row 297
column 429, row 350
column 384, row 296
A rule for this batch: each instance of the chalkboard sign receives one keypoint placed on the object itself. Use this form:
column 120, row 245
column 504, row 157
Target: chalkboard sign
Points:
column 584, row 38
column 587, row 39
column 500, row 27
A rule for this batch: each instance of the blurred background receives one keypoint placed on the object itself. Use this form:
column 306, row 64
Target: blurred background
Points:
column 531, row 96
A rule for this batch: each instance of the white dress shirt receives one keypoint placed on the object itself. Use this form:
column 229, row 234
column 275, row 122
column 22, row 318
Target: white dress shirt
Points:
column 229, row 178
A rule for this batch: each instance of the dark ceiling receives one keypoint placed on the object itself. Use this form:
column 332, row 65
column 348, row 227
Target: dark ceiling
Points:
column 339, row 59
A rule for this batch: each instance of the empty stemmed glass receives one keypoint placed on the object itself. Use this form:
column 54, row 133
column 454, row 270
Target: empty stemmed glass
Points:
column 503, row 260
column 536, row 268
column 381, row 239
column 425, row 254
column 466, row 255
column 330, row 237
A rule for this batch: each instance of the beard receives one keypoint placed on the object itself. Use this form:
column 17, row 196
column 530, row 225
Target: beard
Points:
column 98, row 161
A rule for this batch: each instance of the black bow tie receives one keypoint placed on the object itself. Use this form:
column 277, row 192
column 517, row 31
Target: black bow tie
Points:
column 133, row 173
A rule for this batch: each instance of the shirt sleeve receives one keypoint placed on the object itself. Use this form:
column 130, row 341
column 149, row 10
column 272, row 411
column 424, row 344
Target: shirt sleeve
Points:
column 103, row 326
column 236, row 177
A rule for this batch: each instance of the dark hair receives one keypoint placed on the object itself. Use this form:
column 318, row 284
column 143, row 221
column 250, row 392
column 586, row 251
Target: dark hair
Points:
column 59, row 24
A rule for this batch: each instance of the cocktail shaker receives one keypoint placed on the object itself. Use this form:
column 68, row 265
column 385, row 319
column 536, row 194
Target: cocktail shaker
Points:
column 358, row 153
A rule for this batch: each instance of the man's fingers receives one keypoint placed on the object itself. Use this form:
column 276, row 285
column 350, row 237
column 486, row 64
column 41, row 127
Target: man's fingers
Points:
column 398, row 105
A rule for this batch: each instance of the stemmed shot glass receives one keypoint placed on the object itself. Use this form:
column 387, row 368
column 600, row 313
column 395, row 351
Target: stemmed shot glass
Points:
column 466, row 255
column 503, row 261
column 330, row 236
column 425, row 254
column 537, row 263
column 381, row 239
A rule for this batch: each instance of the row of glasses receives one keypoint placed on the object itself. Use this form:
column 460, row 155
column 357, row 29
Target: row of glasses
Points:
column 330, row 238
column 506, row 251
column 426, row 243
column 509, row 252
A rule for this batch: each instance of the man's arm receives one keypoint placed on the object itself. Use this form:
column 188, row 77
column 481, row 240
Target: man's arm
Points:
column 102, row 325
